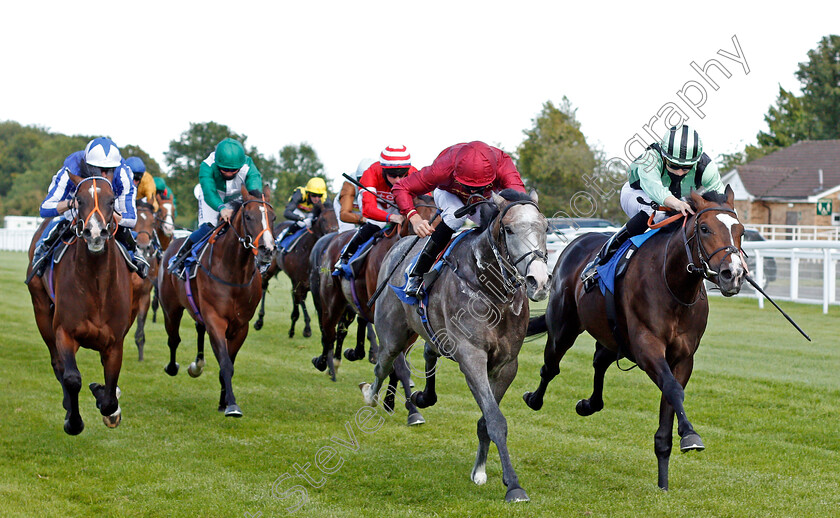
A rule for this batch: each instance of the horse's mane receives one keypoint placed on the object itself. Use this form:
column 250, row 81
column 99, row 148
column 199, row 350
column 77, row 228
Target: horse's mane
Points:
column 490, row 210
column 144, row 205
column 712, row 196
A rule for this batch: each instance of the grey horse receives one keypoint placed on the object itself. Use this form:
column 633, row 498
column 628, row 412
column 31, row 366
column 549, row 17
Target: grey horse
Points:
column 477, row 315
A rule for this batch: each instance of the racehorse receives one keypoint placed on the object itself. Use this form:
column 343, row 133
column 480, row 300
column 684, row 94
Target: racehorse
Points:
column 148, row 246
column 296, row 265
column 225, row 292
column 165, row 231
column 477, row 315
column 85, row 301
column 337, row 301
column 661, row 311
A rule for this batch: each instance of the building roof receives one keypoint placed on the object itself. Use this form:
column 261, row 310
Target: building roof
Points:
column 793, row 172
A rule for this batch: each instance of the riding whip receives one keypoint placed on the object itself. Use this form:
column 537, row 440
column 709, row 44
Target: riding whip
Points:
column 758, row 288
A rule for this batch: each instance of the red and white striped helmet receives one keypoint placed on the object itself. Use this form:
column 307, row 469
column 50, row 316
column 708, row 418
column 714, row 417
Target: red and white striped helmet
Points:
column 395, row 156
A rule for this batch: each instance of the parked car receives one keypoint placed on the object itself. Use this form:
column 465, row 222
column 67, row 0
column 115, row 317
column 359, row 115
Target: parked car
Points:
column 580, row 225
column 769, row 262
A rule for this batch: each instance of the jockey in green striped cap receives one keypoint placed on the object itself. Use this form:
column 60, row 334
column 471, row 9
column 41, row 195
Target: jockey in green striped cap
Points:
column 666, row 173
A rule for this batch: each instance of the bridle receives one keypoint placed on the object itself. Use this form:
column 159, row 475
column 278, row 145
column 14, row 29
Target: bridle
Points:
column 508, row 263
column 247, row 241
column 81, row 225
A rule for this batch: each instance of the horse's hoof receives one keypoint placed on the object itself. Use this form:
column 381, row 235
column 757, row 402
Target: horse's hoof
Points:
column 233, row 411
column 113, row 420
column 291, row 333
column 480, row 478
column 419, row 399
column 307, row 333
column 528, row 397
column 691, row 442
column 73, row 429
column 370, row 399
column 388, row 402
column 516, row 495
column 196, row 368
column 320, row 363
column 415, row 419
column 585, row 407
column 171, row 369
column 350, row 355
column 258, row 325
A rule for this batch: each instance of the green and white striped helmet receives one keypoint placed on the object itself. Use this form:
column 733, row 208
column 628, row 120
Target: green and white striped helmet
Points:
column 681, row 146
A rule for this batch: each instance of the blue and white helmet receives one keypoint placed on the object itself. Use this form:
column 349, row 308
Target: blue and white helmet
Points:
column 102, row 152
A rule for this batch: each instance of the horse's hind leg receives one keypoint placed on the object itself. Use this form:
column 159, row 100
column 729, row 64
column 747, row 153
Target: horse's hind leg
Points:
column 673, row 390
column 393, row 343
column 155, row 301
column 601, row 362
column 259, row 323
column 307, row 328
column 374, row 348
column 140, row 330
column 403, row 373
column 197, row 367
column 172, row 322
column 295, row 314
column 359, row 352
column 427, row 397
column 555, row 348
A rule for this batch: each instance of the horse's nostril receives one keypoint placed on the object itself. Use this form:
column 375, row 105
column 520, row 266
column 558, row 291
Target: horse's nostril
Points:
column 726, row 275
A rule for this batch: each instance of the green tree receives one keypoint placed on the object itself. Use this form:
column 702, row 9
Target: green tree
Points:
column 296, row 165
column 820, row 83
column 184, row 158
column 568, row 174
column 152, row 167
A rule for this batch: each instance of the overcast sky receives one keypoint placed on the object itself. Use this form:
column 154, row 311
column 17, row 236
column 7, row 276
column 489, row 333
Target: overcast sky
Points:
column 352, row 77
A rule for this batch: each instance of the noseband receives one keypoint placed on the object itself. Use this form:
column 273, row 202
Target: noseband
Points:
column 507, row 263
column 246, row 240
column 705, row 270
column 76, row 221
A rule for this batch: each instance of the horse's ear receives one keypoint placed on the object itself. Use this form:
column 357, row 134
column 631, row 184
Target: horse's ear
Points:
column 266, row 192
column 74, row 178
column 245, row 194
column 498, row 199
column 534, row 196
column 698, row 200
column 730, row 196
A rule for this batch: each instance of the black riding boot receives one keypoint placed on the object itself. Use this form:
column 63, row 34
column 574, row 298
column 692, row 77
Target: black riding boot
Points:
column 435, row 245
column 364, row 233
column 177, row 261
column 124, row 236
column 39, row 263
column 637, row 225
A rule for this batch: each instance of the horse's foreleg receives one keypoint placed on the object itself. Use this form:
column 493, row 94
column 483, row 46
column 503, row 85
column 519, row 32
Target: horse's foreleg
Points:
column 474, row 366
column 106, row 396
column 428, row 396
column 295, row 315
column 388, row 353
column 671, row 404
column 358, row 352
column 307, row 328
column 71, row 382
column 140, row 330
column 374, row 348
column 172, row 322
column 404, row 375
column 601, row 361
column 555, row 349
column 155, row 301
column 219, row 341
column 197, row 367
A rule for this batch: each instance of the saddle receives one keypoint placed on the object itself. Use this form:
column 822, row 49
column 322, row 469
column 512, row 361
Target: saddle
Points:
column 189, row 268
column 286, row 241
column 356, row 262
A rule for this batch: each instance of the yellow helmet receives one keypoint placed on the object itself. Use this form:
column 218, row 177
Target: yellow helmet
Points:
column 316, row 186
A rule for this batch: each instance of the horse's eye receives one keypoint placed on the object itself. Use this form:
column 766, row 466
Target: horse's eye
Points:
column 509, row 230
column 704, row 229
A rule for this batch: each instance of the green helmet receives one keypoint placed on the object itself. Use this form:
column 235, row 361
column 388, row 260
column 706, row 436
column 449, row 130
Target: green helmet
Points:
column 230, row 154
column 681, row 146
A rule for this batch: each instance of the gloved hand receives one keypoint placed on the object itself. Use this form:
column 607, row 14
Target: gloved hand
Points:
column 307, row 222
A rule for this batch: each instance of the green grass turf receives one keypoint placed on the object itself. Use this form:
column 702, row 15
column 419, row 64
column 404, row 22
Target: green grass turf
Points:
column 764, row 400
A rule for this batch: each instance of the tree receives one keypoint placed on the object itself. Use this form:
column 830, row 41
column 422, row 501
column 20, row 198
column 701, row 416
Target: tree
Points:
column 297, row 164
column 555, row 159
column 152, row 167
column 184, row 158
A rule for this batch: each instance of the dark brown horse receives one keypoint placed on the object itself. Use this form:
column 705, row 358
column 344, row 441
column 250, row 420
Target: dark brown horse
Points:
column 296, row 265
column 225, row 292
column 661, row 311
column 148, row 246
column 165, row 231
column 85, row 301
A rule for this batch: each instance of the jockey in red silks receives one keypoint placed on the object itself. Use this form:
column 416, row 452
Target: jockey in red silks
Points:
column 394, row 166
column 461, row 174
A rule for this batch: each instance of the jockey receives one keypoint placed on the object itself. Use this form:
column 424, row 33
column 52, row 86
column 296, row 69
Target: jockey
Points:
column 461, row 174
column 394, row 164
column 665, row 173
column 101, row 157
column 346, row 204
column 143, row 181
column 166, row 193
column 303, row 201
column 220, row 179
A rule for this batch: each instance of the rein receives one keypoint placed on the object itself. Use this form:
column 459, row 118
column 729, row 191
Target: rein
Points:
column 508, row 267
column 80, row 229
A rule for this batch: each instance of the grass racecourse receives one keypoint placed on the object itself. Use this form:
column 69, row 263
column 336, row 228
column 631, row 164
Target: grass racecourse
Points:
column 765, row 401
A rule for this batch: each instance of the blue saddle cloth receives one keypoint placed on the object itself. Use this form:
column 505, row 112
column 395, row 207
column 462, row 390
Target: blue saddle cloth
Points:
column 290, row 238
column 346, row 270
column 195, row 252
column 399, row 291
column 606, row 273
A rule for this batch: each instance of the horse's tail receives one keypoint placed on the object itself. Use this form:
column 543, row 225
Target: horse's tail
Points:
column 536, row 326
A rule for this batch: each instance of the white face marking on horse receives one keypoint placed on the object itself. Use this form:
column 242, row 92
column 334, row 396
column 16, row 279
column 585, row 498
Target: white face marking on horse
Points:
column 729, row 221
column 143, row 215
column 93, row 190
column 267, row 237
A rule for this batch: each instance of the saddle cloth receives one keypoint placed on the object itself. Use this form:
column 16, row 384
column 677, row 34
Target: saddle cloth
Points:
column 617, row 265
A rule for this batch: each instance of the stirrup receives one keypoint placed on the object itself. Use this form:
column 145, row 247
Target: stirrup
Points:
column 413, row 285
column 590, row 270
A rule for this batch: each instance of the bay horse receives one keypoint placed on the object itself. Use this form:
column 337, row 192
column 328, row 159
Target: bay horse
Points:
column 661, row 311
column 296, row 265
column 148, row 246
column 338, row 301
column 225, row 292
column 477, row 315
column 164, row 231
column 85, row 301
